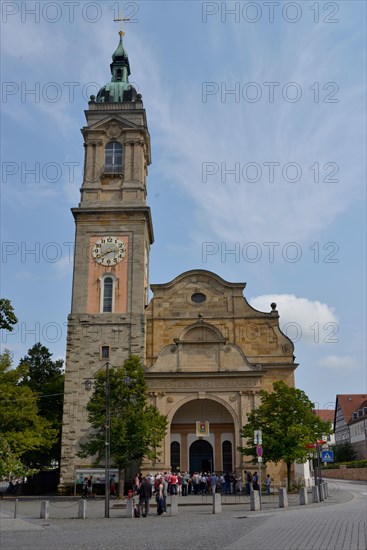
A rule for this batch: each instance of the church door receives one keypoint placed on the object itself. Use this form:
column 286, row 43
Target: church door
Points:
column 201, row 456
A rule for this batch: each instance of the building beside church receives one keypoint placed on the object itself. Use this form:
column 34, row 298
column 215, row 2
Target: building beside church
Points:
column 207, row 352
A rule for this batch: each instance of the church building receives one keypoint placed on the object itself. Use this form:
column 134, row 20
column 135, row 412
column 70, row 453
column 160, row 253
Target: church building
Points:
column 206, row 351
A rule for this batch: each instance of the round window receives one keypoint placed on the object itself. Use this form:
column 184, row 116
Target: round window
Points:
column 198, row 298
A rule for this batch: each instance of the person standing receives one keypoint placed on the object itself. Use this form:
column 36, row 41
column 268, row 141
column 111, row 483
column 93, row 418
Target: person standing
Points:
column 173, row 485
column 185, row 481
column 255, row 481
column 145, row 494
column 160, row 498
column 248, row 482
column 89, row 487
column 213, row 482
column 113, row 485
column 268, row 483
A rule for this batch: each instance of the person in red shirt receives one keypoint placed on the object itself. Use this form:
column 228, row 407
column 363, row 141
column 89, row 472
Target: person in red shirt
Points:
column 173, row 485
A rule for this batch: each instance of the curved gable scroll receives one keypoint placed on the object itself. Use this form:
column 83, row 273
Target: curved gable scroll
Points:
column 201, row 348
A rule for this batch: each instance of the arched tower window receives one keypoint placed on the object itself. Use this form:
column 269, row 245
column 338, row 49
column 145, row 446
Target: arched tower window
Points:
column 227, row 456
column 113, row 157
column 107, row 294
column 175, row 456
column 108, row 286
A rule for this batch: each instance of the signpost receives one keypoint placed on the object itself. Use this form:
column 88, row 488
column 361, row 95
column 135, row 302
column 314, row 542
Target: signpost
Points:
column 327, row 456
column 258, row 439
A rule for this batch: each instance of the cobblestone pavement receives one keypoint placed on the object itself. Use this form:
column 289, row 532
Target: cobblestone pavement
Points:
column 338, row 523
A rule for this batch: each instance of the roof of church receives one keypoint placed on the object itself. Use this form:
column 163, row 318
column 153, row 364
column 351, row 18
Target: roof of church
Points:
column 200, row 273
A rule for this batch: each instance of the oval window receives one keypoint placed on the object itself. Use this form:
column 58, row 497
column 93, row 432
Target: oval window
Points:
column 198, row 298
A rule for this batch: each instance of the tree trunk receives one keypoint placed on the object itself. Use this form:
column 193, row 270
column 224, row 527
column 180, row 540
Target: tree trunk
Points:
column 289, row 465
column 121, row 482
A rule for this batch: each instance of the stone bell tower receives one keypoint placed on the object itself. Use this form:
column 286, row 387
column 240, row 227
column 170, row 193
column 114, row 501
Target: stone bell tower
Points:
column 112, row 242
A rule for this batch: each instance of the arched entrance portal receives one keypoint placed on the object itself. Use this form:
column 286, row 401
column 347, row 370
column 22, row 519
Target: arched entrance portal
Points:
column 215, row 450
column 201, row 456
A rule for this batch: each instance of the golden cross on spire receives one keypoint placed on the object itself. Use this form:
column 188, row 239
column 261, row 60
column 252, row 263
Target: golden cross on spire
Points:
column 122, row 19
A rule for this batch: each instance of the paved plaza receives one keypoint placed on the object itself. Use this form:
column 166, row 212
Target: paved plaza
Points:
column 339, row 523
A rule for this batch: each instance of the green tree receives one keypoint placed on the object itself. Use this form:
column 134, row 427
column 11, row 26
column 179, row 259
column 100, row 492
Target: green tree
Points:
column 344, row 452
column 7, row 316
column 22, row 429
column 45, row 377
column 136, row 427
column 288, row 424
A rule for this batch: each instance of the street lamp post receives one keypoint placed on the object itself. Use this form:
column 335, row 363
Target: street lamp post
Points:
column 88, row 386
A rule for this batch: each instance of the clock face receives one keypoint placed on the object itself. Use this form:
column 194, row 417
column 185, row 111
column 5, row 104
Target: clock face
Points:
column 109, row 251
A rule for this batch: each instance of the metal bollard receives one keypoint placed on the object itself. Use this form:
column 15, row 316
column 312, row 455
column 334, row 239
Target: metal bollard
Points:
column 283, row 498
column 82, row 509
column 45, row 509
column 16, row 508
column 217, row 503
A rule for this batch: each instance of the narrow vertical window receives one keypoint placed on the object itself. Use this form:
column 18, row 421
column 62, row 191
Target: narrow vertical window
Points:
column 113, row 157
column 107, row 294
column 227, row 456
column 175, row 456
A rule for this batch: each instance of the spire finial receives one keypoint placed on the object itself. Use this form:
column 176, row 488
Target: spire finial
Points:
column 122, row 19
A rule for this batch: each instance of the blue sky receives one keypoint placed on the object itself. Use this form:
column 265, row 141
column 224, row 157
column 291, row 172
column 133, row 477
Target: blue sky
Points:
column 257, row 120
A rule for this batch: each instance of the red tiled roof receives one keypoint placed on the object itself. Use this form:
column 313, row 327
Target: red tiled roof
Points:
column 327, row 415
column 350, row 403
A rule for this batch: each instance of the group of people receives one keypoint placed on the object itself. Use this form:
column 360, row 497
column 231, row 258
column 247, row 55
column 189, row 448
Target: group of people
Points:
column 252, row 482
column 199, row 483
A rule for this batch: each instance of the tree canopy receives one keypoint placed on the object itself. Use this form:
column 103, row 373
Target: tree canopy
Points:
column 136, row 427
column 45, row 377
column 288, row 424
column 22, row 429
column 7, row 316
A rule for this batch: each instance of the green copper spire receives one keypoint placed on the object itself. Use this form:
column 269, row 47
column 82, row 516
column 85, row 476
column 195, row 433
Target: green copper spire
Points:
column 118, row 89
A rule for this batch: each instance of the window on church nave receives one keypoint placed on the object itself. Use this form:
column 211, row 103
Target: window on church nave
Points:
column 113, row 158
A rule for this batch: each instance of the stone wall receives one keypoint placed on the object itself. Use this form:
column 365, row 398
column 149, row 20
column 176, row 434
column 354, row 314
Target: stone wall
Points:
column 356, row 474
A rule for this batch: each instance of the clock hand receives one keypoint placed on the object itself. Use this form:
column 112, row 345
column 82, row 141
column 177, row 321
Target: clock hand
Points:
column 107, row 252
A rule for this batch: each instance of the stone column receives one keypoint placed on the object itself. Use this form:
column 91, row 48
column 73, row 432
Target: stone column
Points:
column 184, row 466
column 218, row 453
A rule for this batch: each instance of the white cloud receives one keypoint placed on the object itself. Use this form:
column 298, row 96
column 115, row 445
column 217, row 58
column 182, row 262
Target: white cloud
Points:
column 337, row 362
column 300, row 318
column 64, row 267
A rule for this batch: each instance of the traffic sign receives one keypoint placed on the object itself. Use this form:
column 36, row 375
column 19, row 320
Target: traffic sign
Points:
column 258, row 437
column 259, row 458
column 259, row 450
column 327, row 456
